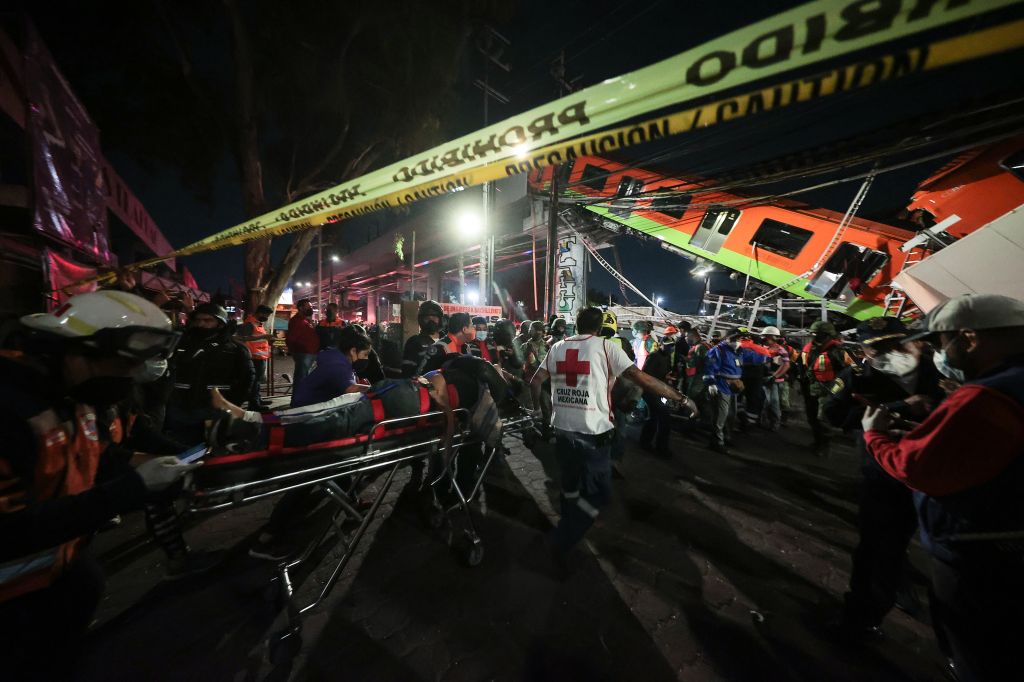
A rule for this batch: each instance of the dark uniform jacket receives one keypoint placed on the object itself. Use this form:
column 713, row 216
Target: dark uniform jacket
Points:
column 199, row 364
column 415, row 354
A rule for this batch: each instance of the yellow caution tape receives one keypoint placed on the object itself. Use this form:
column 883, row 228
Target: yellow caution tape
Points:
column 551, row 134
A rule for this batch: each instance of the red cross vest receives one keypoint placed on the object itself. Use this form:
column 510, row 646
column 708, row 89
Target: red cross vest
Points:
column 582, row 370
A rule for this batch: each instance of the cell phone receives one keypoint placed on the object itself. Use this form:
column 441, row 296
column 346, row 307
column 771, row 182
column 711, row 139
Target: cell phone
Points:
column 865, row 401
column 192, row 454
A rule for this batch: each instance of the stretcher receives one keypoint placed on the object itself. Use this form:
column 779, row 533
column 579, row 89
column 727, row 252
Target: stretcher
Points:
column 341, row 469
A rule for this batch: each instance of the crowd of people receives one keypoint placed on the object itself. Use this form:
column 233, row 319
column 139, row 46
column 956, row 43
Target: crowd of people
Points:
column 105, row 393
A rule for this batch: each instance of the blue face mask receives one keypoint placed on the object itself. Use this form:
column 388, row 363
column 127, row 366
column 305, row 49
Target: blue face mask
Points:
column 941, row 360
column 481, row 336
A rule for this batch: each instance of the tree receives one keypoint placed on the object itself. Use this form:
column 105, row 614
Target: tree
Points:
column 299, row 95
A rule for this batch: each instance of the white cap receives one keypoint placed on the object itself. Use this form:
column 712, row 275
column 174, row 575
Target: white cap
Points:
column 973, row 311
column 771, row 331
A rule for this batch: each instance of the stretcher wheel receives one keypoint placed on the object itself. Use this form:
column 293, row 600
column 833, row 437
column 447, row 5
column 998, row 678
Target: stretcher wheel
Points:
column 285, row 646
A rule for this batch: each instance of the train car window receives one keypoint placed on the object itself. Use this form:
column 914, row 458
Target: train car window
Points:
column 673, row 205
column 1015, row 164
column 627, row 187
column 782, row 239
column 594, row 177
column 847, row 271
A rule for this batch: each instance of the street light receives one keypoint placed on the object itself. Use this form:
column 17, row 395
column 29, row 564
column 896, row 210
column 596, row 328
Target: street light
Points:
column 334, row 257
column 473, row 296
column 469, row 224
column 658, row 300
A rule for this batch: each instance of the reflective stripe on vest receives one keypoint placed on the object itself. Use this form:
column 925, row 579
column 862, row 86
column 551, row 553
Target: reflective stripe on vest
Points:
column 823, row 370
column 67, row 458
column 259, row 350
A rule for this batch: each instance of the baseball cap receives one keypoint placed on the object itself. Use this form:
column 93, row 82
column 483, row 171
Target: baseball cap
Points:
column 972, row 311
column 880, row 329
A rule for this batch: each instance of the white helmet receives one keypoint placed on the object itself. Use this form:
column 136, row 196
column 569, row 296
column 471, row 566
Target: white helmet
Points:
column 771, row 331
column 110, row 323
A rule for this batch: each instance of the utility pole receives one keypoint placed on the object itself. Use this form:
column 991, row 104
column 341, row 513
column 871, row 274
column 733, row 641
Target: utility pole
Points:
column 491, row 45
column 551, row 284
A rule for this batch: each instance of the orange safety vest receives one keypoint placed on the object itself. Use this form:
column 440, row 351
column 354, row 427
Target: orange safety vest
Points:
column 259, row 350
column 452, row 346
column 338, row 322
column 68, row 457
column 821, row 368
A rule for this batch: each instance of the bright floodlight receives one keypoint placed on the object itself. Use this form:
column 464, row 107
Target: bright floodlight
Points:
column 334, row 257
column 469, row 224
column 659, row 300
column 473, row 296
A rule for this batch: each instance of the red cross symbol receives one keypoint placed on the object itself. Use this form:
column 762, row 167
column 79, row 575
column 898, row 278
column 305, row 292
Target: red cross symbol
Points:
column 571, row 367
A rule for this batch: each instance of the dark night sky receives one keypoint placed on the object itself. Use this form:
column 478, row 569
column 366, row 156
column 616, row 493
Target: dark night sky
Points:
column 600, row 38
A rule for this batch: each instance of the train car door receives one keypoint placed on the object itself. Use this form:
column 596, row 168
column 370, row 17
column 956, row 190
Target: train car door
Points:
column 846, row 272
column 714, row 228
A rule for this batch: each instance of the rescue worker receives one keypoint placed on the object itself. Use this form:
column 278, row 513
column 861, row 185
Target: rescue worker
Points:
column 62, row 472
column 723, row 371
column 755, row 359
column 460, row 333
column 823, row 358
column 206, row 358
column 556, row 331
column 774, row 382
column 482, row 347
column 255, row 337
column 536, row 347
column 902, row 377
column 302, row 339
column 609, row 329
column 509, row 358
column 655, row 435
column 581, row 369
column 329, row 322
column 429, row 317
column 524, row 335
column 693, row 379
column 964, row 463
column 643, row 341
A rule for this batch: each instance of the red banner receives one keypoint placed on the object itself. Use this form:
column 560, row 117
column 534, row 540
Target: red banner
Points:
column 482, row 310
column 61, row 273
column 67, row 165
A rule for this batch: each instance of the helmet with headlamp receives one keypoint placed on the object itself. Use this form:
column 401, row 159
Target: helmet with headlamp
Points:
column 108, row 324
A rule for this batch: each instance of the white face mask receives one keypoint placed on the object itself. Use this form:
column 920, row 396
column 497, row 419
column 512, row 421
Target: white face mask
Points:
column 941, row 360
column 150, row 371
column 895, row 363
column 481, row 336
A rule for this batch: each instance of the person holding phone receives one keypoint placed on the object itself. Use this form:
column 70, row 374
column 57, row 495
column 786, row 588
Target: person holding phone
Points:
column 898, row 376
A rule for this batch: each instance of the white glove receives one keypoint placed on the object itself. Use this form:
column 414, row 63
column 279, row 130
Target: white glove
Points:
column 160, row 472
column 713, row 390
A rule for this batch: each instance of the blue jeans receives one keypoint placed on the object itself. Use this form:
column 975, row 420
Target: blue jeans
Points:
column 303, row 366
column 586, row 466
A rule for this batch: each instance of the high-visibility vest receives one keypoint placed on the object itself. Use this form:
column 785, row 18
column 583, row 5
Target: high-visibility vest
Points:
column 338, row 322
column 68, row 456
column 820, row 365
column 259, row 350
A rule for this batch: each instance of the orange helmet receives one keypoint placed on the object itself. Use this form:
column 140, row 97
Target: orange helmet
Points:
column 671, row 330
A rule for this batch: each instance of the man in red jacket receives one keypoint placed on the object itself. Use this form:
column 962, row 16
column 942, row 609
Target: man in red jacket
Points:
column 965, row 464
column 303, row 342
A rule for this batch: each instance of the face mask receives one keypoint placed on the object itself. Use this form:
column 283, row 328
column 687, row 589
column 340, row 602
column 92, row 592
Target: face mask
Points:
column 361, row 365
column 895, row 363
column 941, row 360
column 150, row 371
column 201, row 333
column 102, row 391
column 481, row 336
